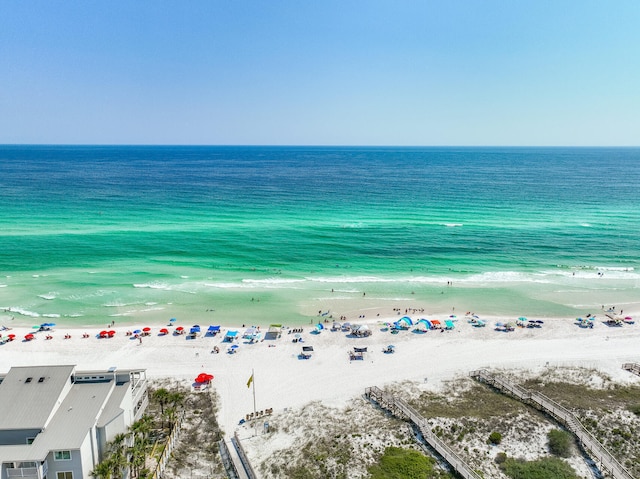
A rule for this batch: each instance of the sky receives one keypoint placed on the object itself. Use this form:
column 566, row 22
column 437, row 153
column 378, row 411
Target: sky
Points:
column 306, row 72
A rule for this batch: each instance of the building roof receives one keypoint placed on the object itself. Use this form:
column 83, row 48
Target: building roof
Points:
column 69, row 427
column 65, row 417
column 29, row 395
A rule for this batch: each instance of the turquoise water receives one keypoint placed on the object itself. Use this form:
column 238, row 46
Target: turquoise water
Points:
column 261, row 234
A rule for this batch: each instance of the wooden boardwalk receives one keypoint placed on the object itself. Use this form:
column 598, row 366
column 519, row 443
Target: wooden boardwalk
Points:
column 400, row 408
column 632, row 367
column 589, row 443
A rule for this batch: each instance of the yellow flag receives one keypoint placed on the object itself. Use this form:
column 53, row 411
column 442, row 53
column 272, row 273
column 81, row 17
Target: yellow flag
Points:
column 250, row 381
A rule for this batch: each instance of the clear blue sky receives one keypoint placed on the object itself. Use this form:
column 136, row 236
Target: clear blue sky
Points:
column 446, row 72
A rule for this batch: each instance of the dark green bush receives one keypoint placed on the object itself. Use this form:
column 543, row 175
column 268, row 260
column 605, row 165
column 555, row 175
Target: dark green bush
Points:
column 495, row 438
column 560, row 442
column 501, row 457
column 545, row 468
column 397, row 463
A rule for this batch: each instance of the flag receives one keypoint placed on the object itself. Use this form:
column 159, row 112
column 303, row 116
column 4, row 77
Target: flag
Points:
column 250, row 381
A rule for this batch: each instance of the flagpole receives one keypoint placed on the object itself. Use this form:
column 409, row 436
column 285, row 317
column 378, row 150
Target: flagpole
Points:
column 255, row 411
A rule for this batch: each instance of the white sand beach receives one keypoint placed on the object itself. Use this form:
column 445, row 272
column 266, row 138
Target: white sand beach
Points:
column 282, row 380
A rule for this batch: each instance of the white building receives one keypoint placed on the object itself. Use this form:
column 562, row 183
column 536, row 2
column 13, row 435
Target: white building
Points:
column 55, row 422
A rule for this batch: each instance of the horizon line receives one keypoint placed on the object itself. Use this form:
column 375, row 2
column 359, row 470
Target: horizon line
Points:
column 275, row 145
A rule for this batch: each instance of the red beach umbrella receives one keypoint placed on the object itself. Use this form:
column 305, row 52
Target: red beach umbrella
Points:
column 146, row 329
column 11, row 337
column 164, row 331
column 111, row 333
column 29, row 337
column 204, row 378
column 103, row 334
column 179, row 328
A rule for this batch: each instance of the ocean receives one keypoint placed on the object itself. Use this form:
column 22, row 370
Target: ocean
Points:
column 257, row 235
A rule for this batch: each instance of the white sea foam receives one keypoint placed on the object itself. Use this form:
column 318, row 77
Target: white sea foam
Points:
column 505, row 277
column 48, row 296
column 3, row 285
column 152, row 285
column 586, row 225
column 272, row 281
column 150, row 303
column 23, row 312
column 453, row 225
column 146, row 310
column 350, row 279
column 51, row 315
column 223, row 285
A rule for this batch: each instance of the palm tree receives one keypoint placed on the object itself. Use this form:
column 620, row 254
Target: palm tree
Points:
column 102, row 470
column 162, row 396
column 118, row 454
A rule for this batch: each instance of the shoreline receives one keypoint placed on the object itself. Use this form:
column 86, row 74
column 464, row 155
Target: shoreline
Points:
column 282, row 380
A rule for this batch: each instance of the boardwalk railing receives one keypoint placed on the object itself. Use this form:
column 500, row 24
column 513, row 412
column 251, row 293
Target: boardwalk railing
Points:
column 227, row 461
column 590, row 444
column 243, row 457
column 400, row 408
column 168, row 447
column 632, row 367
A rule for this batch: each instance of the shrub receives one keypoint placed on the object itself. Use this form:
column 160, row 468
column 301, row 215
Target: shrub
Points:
column 545, row 468
column 501, row 457
column 397, row 463
column 495, row 438
column 559, row 442
column 635, row 409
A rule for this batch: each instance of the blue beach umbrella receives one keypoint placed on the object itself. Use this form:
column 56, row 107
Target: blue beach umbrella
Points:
column 235, row 346
column 173, row 320
column 137, row 331
column 319, row 326
column 522, row 318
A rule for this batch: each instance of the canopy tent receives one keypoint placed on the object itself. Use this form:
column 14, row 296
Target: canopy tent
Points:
column 213, row 330
column 250, row 332
column 449, row 324
column 230, row 336
column 403, row 323
column 423, row 325
column 436, row 324
column 360, row 330
column 274, row 331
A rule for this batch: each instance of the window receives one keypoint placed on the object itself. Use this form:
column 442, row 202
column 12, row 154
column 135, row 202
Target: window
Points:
column 30, row 440
column 62, row 455
column 64, row 475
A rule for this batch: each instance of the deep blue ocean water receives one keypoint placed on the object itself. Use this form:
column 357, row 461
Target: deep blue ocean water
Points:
column 89, row 233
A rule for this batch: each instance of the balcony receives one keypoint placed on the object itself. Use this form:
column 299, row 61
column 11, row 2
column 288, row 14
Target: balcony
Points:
column 37, row 472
